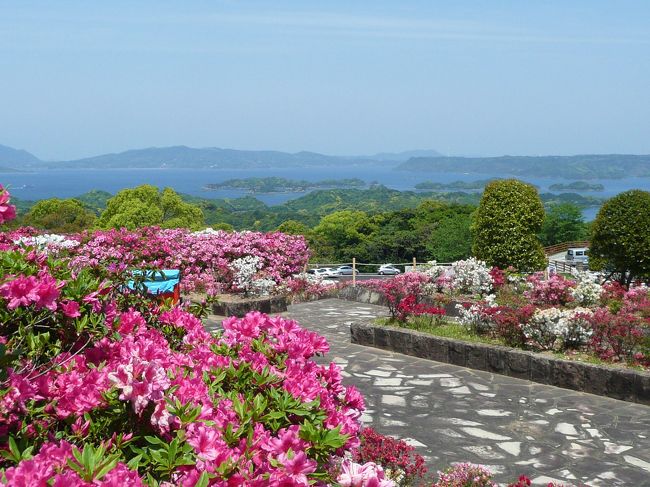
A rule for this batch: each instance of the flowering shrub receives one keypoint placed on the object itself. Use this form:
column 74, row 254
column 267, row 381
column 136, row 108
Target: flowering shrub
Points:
column 49, row 242
column 246, row 276
column 398, row 458
column 366, row 475
column 587, row 291
column 301, row 287
column 7, row 211
column 522, row 481
column 465, row 475
column 477, row 317
column 410, row 307
column 552, row 291
column 204, row 258
column 398, row 288
column 498, row 277
column 509, row 322
column 637, row 300
column 433, row 271
column 616, row 336
column 136, row 393
column 471, row 276
column 553, row 327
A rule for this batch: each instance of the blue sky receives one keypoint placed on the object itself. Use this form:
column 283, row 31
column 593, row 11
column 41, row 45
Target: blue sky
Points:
column 340, row 77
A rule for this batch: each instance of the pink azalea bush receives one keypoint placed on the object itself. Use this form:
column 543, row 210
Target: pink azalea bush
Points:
column 552, row 291
column 99, row 387
column 114, row 390
column 204, row 258
column 397, row 289
column 7, row 210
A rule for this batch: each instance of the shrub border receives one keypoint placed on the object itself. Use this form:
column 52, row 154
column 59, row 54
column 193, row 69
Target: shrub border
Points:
column 618, row 383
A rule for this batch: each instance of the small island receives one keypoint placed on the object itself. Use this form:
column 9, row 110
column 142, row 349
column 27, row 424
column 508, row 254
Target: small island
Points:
column 455, row 185
column 282, row 185
column 577, row 186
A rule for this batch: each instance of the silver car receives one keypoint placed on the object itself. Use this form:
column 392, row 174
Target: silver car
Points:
column 388, row 270
column 346, row 270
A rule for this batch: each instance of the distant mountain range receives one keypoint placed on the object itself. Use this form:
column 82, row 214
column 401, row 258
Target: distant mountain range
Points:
column 596, row 166
column 421, row 161
column 11, row 159
column 204, row 158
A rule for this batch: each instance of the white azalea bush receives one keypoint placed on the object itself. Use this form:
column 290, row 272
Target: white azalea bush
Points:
column 245, row 276
column 471, row 276
column 558, row 328
column 588, row 290
column 50, row 243
column 477, row 317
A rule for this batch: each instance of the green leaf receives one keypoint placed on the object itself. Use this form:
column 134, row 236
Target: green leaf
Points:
column 203, row 481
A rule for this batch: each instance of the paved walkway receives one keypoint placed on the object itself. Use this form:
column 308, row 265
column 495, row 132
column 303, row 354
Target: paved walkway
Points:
column 453, row 414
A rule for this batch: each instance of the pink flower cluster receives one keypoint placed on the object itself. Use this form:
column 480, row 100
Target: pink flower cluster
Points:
column 465, row 474
column 552, row 291
column 396, row 289
column 7, row 211
column 50, row 467
column 42, row 291
column 203, row 258
column 367, row 475
column 145, row 372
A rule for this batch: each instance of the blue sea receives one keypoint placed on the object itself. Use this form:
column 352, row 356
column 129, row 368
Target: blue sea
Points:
column 64, row 183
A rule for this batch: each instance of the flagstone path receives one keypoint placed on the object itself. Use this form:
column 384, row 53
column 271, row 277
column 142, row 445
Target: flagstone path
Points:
column 452, row 414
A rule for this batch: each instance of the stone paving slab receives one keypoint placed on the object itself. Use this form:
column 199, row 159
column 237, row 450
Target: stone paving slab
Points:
column 452, row 414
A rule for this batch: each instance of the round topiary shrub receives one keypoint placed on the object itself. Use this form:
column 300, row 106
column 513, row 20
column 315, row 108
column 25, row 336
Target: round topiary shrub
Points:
column 506, row 225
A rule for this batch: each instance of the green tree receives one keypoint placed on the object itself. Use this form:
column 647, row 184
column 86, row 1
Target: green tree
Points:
column 341, row 234
column 507, row 222
column 293, row 227
column 563, row 223
column 620, row 241
column 146, row 206
column 60, row 216
column 451, row 240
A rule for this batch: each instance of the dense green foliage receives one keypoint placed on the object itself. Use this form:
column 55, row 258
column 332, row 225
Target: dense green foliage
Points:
column 507, row 222
column 60, row 216
column 620, row 241
column 146, row 206
column 293, row 227
column 563, row 223
column 95, row 200
column 275, row 184
column 432, row 230
column 399, row 225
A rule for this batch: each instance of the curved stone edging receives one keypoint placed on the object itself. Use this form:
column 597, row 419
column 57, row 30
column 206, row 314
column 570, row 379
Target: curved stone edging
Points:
column 618, row 383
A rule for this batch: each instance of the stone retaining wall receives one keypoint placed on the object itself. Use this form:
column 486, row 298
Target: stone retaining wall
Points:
column 234, row 305
column 618, row 383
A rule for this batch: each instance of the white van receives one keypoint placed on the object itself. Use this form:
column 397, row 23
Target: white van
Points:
column 578, row 254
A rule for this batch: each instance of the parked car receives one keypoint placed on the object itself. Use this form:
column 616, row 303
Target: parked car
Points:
column 388, row 269
column 325, row 272
column 346, row 270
